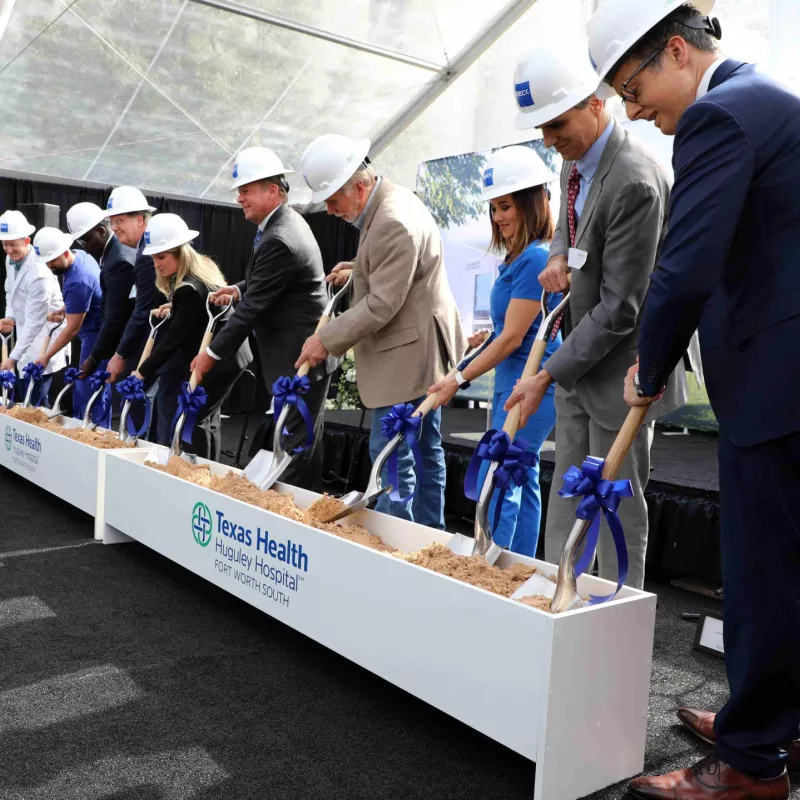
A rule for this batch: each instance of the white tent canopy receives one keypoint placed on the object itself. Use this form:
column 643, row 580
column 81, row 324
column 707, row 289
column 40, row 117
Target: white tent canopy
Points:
column 162, row 93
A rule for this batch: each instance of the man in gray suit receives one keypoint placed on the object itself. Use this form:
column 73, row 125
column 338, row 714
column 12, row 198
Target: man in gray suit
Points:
column 613, row 209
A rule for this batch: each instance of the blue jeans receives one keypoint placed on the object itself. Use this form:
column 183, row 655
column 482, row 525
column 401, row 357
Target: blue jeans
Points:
column 521, row 514
column 427, row 507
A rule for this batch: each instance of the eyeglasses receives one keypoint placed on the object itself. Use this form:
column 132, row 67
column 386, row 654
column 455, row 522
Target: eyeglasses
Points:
column 629, row 95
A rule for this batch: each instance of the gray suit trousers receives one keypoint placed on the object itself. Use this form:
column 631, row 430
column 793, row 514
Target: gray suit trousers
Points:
column 578, row 436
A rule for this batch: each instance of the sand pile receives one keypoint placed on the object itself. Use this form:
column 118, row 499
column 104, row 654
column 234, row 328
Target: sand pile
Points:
column 100, row 438
column 436, row 557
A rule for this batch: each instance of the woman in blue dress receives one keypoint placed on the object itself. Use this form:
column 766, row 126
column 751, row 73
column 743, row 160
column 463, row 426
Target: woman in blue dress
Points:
column 515, row 183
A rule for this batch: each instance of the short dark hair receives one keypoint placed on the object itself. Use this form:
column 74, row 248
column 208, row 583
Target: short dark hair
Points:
column 583, row 103
column 673, row 25
column 535, row 222
column 277, row 180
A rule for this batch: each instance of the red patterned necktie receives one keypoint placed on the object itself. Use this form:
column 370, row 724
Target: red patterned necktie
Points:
column 573, row 188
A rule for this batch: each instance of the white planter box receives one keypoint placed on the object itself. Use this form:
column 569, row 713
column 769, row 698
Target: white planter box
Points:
column 569, row 692
column 67, row 469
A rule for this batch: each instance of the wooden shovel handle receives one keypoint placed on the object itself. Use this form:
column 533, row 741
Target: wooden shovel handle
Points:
column 194, row 379
column 532, row 365
column 625, row 438
column 148, row 348
column 3, row 349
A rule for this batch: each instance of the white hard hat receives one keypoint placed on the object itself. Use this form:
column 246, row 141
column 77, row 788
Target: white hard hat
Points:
column 126, row 200
column 82, row 217
column 513, row 169
column 166, row 232
column 256, row 163
column 13, row 225
column 50, row 243
column 617, row 25
column 330, row 161
column 551, row 79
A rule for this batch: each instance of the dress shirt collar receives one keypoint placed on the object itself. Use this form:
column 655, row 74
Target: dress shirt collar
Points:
column 361, row 219
column 587, row 166
column 702, row 89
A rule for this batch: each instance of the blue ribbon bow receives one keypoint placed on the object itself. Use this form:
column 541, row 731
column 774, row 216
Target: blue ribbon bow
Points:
column 190, row 401
column 400, row 420
column 132, row 390
column 33, row 372
column 598, row 495
column 71, row 374
column 289, row 391
column 7, row 381
column 513, row 460
column 101, row 406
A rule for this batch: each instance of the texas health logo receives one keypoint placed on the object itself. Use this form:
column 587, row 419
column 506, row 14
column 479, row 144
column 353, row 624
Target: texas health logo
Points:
column 8, row 437
column 201, row 524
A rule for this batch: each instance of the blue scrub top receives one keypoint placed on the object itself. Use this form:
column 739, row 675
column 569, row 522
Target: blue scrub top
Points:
column 82, row 292
column 519, row 280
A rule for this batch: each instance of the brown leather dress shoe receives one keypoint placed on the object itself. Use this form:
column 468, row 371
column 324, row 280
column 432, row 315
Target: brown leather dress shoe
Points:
column 711, row 779
column 701, row 724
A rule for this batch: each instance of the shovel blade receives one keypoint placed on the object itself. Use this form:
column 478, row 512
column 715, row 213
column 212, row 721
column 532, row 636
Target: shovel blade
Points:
column 462, row 545
column 260, row 466
column 537, row 584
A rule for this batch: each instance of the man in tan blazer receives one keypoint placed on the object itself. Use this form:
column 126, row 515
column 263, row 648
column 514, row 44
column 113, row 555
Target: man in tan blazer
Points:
column 403, row 323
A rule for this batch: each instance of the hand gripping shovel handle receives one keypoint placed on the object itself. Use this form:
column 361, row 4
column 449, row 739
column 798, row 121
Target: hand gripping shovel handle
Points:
column 566, row 596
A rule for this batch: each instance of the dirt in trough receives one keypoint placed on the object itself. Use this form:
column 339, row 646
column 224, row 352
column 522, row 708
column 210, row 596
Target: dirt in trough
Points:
column 100, row 438
column 436, row 557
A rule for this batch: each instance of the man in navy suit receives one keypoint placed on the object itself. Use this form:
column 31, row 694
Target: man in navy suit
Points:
column 729, row 266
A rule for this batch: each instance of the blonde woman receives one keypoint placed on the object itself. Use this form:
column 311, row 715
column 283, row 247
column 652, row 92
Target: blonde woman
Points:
column 186, row 277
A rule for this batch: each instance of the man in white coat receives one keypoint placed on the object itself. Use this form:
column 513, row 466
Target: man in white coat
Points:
column 32, row 292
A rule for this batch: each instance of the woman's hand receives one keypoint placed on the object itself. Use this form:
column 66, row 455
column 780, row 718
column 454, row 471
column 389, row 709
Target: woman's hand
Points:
column 445, row 390
column 478, row 338
column 162, row 311
column 137, row 374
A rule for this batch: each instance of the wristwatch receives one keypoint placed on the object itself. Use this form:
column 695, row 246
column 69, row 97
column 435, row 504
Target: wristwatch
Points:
column 462, row 382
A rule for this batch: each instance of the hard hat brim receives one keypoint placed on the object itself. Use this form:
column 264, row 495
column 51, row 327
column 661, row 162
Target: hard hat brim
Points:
column 116, row 212
column 10, row 237
column 361, row 150
column 237, row 184
column 155, row 249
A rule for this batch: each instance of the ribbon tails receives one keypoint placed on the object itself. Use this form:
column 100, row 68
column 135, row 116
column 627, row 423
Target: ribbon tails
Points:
column 513, row 460
column 7, row 381
column 190, row 401
column 401, row 422
column 101, row 406
column 289, row 392
column 598, row 494
column 132, row 390
column 71, row 374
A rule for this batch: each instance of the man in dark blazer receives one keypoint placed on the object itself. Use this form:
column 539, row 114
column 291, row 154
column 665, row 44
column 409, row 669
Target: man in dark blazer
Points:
column 281, row 298
column 88, row 223
column 729, row 267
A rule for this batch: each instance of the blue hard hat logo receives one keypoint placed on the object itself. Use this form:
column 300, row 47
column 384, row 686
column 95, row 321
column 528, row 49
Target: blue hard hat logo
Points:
column 3, row 227
column 235, row 171
column 201, row 524
column 110, row 202
column 147, row 237
column 488, row 178
column 36, row 250
column 522, row 92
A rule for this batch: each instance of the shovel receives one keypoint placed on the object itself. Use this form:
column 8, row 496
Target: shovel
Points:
column 50, row 331
column 213, row 317
column 267, row 467
column 564, row 592
column 483, row 544
column 356, row 501
column 155, row 324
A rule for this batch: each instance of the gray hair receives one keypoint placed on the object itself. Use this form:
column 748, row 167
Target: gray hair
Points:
column 364, row 175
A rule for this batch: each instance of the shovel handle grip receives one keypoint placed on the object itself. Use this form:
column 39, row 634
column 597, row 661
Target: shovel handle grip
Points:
column 148, row 348
column 625, row 438
column 511, row 425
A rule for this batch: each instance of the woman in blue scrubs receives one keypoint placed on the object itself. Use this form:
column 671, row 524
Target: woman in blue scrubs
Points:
column 515, row 183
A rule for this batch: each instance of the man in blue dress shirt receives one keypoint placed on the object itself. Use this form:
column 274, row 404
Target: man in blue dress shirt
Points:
column 728, row 267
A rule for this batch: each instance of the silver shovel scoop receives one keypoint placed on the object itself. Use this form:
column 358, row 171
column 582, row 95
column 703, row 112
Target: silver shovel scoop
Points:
column 155, row 324
column 564, row 592
column 483, row 544
column 266, row 468
column 356, row 501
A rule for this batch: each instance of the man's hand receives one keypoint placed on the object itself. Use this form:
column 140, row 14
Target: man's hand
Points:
column 55, row 317
column 7, row 325
column 9, row 364
column 477, row 339
column 87, row 368
column 555, row 276
column 313, row 351
column 202, row 364
column 529, row 393
column 445, row 391
column 225, row 295
column 631, row 398
column 339, row 274
column 116, row 367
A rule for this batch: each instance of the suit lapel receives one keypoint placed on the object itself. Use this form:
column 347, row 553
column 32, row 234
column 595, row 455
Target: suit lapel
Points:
column 615, row 142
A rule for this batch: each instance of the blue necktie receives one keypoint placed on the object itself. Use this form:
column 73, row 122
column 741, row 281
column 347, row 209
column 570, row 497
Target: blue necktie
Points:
column 259, row 234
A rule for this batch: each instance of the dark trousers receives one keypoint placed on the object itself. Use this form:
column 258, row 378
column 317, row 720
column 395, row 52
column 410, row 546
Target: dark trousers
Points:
column 305, row 470
column 207, row 434
column 759, row 491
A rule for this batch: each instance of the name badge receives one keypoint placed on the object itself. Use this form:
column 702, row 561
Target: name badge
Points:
column 576, row 258
column 132, row 295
